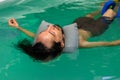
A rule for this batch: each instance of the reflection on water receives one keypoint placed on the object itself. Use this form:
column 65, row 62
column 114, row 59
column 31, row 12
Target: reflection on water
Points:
column 2, row 0
column 106, row 78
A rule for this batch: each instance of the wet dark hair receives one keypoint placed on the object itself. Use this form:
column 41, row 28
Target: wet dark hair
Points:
column 39, row 51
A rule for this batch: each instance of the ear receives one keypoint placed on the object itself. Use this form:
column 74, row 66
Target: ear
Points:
column 62, row 44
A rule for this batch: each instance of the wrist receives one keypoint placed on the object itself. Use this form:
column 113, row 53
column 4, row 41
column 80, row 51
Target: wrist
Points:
column 18, row 27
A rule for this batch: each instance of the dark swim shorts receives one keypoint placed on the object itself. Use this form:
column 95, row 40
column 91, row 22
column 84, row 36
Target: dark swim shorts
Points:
column 96, row 27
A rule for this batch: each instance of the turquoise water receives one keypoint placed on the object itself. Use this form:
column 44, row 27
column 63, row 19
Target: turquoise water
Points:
column 100, row 63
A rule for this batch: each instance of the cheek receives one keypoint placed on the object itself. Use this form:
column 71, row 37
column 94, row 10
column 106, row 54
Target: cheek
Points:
column 60, row 34
column 59, row 37
column 38, row 39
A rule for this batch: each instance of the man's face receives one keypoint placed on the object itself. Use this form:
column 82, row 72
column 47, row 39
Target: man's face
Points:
column 52, row 34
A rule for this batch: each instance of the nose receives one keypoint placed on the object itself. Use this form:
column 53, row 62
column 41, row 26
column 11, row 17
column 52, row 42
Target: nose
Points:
column 51, row 27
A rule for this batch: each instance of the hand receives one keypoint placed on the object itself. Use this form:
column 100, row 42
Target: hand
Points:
column 12, row 22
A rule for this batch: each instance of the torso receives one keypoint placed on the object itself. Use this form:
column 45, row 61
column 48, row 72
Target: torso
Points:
column 95, row 27
column 84, row 34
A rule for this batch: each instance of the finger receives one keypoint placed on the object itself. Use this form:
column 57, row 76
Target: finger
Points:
column 11, row 21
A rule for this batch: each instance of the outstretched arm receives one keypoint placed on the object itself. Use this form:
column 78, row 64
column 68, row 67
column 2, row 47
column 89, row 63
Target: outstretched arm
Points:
column 14, row 23
column 86, row 44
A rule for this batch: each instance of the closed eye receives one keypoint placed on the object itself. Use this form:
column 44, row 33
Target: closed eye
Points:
column 52, row 34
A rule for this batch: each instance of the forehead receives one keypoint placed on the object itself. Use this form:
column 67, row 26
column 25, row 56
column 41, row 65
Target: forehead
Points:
column 45, row 39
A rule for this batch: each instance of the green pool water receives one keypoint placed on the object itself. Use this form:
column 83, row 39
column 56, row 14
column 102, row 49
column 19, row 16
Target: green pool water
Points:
column 101, row 63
